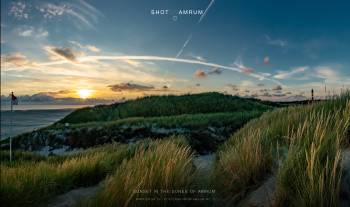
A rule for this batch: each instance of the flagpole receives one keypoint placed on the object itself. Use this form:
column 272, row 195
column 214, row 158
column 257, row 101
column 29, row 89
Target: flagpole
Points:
column 11, row 128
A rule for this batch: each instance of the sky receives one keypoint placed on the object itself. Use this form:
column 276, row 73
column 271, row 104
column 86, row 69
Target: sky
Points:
column 114, row 49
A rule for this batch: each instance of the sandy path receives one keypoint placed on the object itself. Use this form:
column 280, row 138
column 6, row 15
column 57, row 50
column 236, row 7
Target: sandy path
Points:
column 71, row 198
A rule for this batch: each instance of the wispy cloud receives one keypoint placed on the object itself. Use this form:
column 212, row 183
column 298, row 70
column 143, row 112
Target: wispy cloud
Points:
column 197, row 57
column 184, row 45
column 171, row 59
column 90, row 48
column 215, row 71
column 326, row 72
column 15, row 59
column 290, row 73
column 206, row 11
column 61, row 53
column 244, row 69
column 81, row 13
column 30, row 31
column 275, row 42
column 190, row 35
column 19, row 10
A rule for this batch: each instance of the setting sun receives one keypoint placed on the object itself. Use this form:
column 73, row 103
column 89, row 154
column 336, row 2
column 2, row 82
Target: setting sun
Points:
column 84, row 93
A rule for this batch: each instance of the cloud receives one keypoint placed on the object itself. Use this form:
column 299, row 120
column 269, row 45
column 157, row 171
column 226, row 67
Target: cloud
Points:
column 133, row 63
column 90, row 48
column 206, row 11
column 260, row 84
column 215, row 71
column 184, row 45
column 62, row 53
column 80, row 13
column 265, row 74
column 189, row 37
column 197, row 57
column 326, row 72
column 266, row 94
column 277, row 88
column 232, row 87
column 130, row 87
column 134, row 87
column 50, row 10
column 160, row 58
column 29, row 31
column 200, row 73
column 275, row 42
column 290, row 73
column 238, row 63
column 16, row 59
column 55, row 93
column 19, row 10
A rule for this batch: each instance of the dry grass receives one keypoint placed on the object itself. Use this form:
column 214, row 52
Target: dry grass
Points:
column 309, row 174
column 163, row 165
column 30, row 183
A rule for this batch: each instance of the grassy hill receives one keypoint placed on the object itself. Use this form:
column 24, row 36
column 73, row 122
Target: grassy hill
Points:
column 154, row 106
column 205, row 119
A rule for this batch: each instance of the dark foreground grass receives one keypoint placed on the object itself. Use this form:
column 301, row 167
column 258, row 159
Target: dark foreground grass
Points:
column 307, row 140
column 34, row 179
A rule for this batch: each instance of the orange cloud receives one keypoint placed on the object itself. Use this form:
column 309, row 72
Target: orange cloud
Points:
column 200, row 73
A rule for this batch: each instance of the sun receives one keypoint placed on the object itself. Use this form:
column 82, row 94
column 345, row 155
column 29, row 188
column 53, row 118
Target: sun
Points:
column 84, row 93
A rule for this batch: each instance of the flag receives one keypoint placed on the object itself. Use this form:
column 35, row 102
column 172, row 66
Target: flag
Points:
column 14, row 100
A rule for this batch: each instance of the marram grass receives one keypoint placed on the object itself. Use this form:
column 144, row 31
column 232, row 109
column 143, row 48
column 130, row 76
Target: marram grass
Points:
column 308, row 174
column 33, row 182
column 163, row 165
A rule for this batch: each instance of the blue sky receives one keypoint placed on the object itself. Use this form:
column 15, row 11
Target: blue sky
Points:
column 264, row 49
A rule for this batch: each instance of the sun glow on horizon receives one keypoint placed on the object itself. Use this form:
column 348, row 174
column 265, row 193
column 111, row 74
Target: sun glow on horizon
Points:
column 84, row 93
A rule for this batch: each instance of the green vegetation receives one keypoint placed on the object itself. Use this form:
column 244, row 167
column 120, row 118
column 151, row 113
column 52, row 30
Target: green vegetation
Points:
column 27, row 183
column 170, row 105
column 203, row 131
column 306, row 139
column 185, row 120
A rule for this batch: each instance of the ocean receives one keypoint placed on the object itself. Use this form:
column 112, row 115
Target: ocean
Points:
column 26, row 118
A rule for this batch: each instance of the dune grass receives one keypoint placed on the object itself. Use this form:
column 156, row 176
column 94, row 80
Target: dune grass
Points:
column 163, row 165
column 311, row 175
column 32, row 182
column 307, row 141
